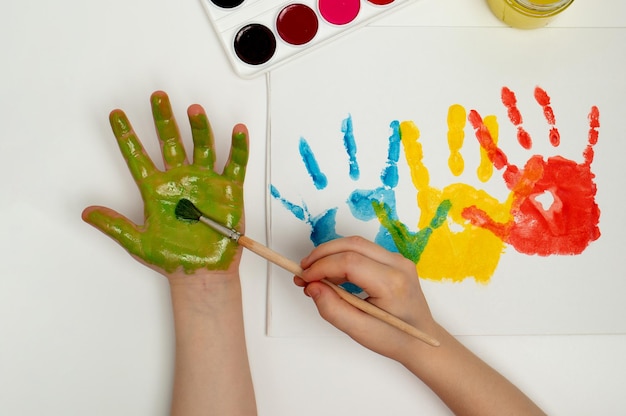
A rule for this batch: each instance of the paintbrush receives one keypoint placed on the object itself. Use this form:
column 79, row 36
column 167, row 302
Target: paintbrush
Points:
column 187, row 211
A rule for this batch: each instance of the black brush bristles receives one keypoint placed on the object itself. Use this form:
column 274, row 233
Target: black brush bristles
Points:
column 187, row 211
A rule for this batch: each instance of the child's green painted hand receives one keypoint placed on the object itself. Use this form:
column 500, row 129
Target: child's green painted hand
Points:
column 163, row 242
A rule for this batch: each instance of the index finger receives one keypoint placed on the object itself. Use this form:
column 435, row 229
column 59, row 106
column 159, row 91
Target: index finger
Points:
column 352, row 269
column 356, row 244
column 359, row 261
column 414, row 154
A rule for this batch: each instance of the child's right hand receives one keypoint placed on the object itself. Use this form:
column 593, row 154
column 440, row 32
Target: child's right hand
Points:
column 465, row 383
column 391, row 281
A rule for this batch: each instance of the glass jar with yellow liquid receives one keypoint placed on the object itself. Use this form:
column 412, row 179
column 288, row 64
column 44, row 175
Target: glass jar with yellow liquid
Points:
column 527, row 14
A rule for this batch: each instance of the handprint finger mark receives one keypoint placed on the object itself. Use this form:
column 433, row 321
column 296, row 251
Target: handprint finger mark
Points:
column 456, row 134
column 489, row 145
column 510, row 102
column 485, row 168
column 592, row 138
column 543, row 99
column 349, row 143
column 310, row 163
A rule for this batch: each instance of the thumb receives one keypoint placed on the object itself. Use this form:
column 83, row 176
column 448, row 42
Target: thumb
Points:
column 116, row 226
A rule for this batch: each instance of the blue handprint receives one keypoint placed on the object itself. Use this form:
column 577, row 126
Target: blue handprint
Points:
column 323, row 225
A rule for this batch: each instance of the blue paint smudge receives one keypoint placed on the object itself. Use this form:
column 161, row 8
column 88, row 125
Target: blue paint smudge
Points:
column 351, row 287
column 323, row 227
column 297, row 211
column 385, row 240
column 354, row 289
column 441, row 215
column 312, row 167
column 350, row 144
column 360, row 202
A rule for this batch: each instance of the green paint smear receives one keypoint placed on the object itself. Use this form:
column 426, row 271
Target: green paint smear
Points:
column 410, row 244
column 169, row 242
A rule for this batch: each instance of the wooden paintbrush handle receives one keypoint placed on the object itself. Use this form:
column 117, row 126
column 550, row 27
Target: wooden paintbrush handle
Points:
column 269, row 254
column 363, row 305
column 381, row 314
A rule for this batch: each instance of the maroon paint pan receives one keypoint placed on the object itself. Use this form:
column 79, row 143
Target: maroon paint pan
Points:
column 258, row 35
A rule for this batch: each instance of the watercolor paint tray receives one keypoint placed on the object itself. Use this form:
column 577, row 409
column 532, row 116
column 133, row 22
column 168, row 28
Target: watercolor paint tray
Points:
column 258, row 35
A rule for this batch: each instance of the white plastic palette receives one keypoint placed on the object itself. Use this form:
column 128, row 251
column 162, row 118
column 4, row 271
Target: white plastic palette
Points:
column 258, row 35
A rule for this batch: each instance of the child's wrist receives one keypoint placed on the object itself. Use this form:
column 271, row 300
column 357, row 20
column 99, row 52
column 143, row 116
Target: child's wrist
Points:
column 415, row 350
column 205, row 289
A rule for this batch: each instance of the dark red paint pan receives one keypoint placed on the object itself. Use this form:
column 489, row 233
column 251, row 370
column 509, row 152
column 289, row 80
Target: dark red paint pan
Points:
column 258, row 35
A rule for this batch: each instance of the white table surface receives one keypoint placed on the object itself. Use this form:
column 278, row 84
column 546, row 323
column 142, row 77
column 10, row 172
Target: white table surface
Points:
column 85, row 330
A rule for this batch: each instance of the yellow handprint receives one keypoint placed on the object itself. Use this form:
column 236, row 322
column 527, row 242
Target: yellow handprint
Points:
column 457, row 249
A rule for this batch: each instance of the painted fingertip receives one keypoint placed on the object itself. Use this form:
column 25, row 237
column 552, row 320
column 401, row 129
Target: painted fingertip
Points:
column 119, row 123
column 158, row 95
column 195, row 110
column 240, row 130
column 161, row 107
column 197, row 117
column 240, row 139
column 86, row 213
column 93, row 216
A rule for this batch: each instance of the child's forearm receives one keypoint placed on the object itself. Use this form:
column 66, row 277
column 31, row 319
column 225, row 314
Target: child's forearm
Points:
column 465, row 383
column 212, row 375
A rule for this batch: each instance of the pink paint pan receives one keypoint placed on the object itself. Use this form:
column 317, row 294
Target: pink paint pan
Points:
column 259, row 35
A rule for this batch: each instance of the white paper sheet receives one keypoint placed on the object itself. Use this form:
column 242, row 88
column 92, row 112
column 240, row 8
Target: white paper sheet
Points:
column 386, row 74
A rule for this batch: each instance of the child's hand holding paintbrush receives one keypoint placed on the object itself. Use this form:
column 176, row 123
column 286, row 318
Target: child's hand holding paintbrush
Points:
column 390, row 280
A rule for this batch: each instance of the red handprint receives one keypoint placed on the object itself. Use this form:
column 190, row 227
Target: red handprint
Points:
column 570, row 223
